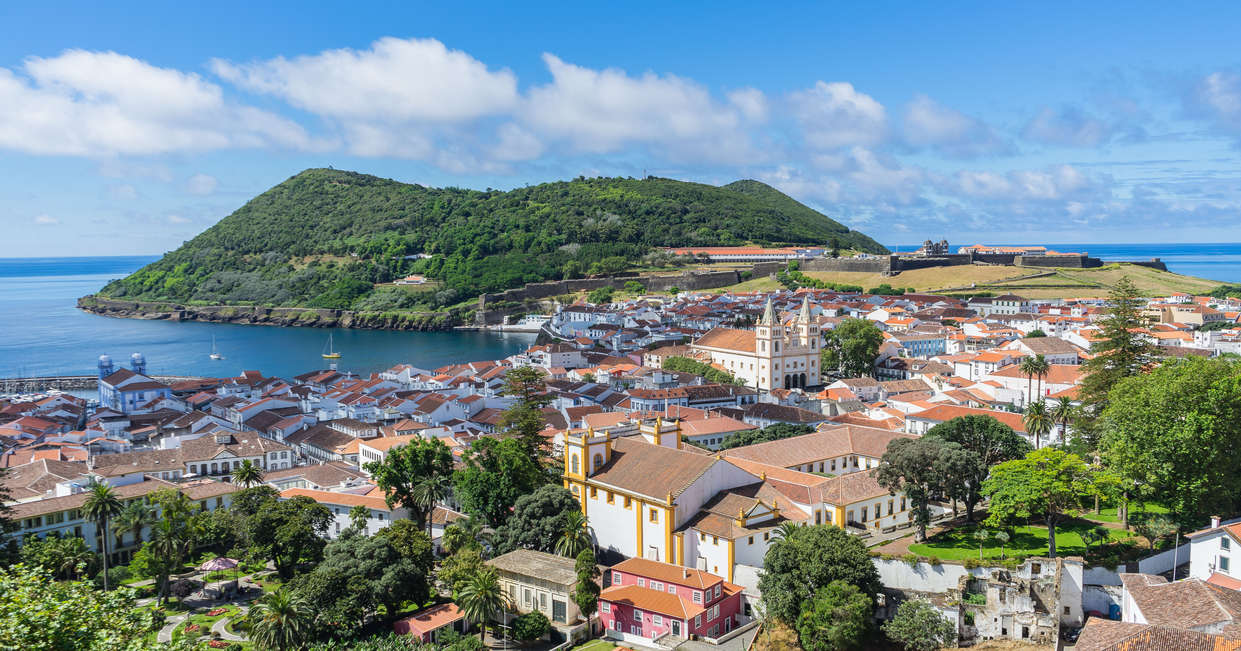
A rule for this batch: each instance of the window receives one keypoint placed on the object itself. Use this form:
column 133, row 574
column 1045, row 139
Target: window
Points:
column 637, row 614
column 605, row 607
column 717, row 591
column 654, row 517
column 697, row 597
column 610, row 496
column 715, row 540
column 672, row 588
column 657, row 620
column 751, row 541
column 864, row 512
column 698, row 621
column 656, row 585
column 594, row 492
column 1223, row 563
column 890, row 507
column 902, row 502
column 1224, row 542
column 641, row 582
column 715, row 611
column 527, row 597
column 616, row 578
column 766, row 535
column 627, row 503
column 616, row 624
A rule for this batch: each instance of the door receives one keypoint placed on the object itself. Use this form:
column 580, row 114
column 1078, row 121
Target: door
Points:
column 676, row 628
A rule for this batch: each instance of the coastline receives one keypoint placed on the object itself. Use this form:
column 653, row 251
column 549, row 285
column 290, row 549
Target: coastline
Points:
column 304, row 317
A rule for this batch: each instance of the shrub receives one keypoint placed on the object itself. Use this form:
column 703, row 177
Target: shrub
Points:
column 531, row 626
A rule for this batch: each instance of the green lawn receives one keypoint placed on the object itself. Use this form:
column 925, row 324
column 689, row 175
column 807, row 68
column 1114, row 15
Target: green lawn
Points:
column 1109, row 514
column 204, row 622
column 960, row 544
column 595, row 645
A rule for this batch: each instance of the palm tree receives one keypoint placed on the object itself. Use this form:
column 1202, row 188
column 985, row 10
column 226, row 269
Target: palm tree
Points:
column 1062, row 412
column 1003, row 537
column 134, row 517
column 481, row 597
column 101, row 506
column 358, row 516
column 75, row 556
column 785, row 530
column 279, row 620
column 1037, row 420
column 428, row 493
column 576, row 535
column 468, row 532
column 981, row 536
column 1028, row 368
column 169, row 545
column 1041, row 367
column 247, row 474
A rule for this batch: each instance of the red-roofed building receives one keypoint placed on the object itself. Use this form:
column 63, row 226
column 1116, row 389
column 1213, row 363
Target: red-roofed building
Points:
column 649, row 599
column 427, row 625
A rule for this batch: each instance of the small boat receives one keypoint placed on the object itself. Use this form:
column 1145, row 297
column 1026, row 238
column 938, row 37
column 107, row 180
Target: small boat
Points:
column 214, row 353
column 329, row 352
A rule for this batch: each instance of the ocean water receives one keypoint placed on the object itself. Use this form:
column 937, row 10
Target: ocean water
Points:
column 43, row 333
column 1220, row 262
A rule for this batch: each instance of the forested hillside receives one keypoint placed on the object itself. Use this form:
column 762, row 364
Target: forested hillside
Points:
column 325, row 238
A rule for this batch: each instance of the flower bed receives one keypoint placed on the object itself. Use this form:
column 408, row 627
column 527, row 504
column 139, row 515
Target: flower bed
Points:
column 216, row 611
column 192, row 628
column 219, row 644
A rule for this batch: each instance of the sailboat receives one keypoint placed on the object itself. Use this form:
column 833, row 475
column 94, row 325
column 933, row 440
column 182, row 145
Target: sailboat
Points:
column 329, row 352
column 215, row 354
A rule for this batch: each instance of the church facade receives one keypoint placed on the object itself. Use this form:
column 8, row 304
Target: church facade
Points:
column 773, row 355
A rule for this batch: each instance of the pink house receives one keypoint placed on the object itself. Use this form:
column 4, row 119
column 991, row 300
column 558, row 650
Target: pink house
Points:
column 648, row 599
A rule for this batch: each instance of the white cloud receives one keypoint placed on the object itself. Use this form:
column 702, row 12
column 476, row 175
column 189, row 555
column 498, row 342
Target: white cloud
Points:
column 931, row 124
column 1070, row 126
column 1217, row 97
column 103, row 103
column 600, row 111
column 178, row 219
column 837, row 115
column 201, row 184
column 396, row 80
column 516, row 144
column 1061, row 182
column 46, row 220
column 751, row 102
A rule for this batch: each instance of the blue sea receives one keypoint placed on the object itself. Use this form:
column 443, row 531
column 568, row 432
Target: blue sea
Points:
column 1220, row 262
column 43, row 333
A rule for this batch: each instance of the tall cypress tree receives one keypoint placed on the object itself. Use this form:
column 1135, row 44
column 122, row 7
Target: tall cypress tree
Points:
column 1122, row 352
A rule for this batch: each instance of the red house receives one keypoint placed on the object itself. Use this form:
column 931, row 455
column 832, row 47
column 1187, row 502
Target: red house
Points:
column 426, row 625
column 648, row 599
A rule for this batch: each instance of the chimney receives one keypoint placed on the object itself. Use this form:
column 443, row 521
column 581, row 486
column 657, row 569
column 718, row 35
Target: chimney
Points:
column 1215, row 522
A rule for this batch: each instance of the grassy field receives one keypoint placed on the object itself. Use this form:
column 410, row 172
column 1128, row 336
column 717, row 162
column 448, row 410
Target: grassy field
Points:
column 594, row 645
column 1109, row 514
column 1050, row 283
column 960, row 544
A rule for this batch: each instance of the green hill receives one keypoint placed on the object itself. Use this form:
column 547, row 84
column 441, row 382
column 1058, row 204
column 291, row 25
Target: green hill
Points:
column 325, row 238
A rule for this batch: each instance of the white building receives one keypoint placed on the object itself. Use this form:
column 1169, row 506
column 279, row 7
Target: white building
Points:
column 771, row 356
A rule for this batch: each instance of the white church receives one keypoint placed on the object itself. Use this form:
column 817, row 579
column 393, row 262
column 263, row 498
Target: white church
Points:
column 772, row 355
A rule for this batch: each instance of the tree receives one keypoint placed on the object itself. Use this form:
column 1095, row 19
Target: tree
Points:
column 786, row 529
column 911, row 466
column 834, row 245
column 1028, row 368
column 429, row 492
column 586, row 590
column 531, row 626
column 1172, row 436
column 408, row 466
column 1035, row 334
column 289, row 531
column 134, row 517
column 280, row 620
column 1037, row 420
column 1120, row 352
column 852, row 347
column 600, row 295
column 166, row 552
column 457, row 570
column 524, row 419
column 799, row 565
column 1063, row 411
column 837, row 617
column 248, row 501
column 481, row 598
column 64, row 558
column 39, row 612
column 358, row 577
column 993, row 442
column 469, row 532
column 1040, row 367
column 634, row 287
column 497, row 472
column 1003, row 537
column 101, row 506
column 540, row 519
column 1048, row 483
column 247, row 474
column 981, row 535
column 1093, row 536
column 411, row 543
column 1154, row 527
column 576, row 536
column 918, row 626
column 358, row 515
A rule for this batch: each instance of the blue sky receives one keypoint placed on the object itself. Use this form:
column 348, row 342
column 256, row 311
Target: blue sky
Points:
column 130, row 127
